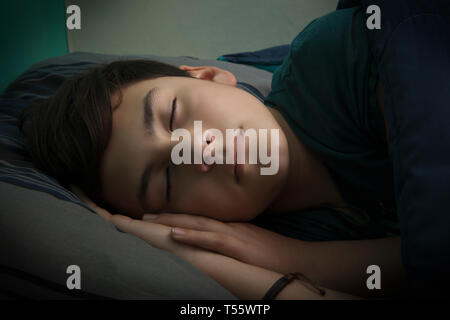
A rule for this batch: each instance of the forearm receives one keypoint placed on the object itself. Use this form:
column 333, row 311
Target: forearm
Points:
column 342, row 265
column 247, row 281
column 244, row 280
column 338, row 265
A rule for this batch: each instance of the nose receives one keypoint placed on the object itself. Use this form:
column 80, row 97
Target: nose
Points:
column 202, row 151
column 207, row 150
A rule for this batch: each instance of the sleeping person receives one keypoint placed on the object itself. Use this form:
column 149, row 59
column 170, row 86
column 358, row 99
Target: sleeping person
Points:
column 328, row 212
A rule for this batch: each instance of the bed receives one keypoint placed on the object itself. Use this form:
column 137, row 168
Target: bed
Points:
column 45, row 230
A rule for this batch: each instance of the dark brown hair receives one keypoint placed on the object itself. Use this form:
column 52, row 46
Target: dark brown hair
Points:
column 68, row 133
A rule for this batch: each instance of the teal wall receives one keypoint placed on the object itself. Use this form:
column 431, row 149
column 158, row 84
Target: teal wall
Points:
column 31, row 30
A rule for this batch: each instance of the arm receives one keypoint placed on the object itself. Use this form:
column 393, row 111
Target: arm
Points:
column 237, row 249
column 340, row 265
column 243, row 280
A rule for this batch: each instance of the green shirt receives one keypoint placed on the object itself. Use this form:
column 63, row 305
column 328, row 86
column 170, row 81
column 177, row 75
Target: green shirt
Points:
column 325, row 89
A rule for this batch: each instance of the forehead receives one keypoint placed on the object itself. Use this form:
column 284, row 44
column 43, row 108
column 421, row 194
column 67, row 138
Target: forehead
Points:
column 122, row 159
column 128, row 95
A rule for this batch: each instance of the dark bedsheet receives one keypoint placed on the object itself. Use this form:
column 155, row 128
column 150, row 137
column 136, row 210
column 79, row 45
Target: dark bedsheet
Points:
column 412, row 50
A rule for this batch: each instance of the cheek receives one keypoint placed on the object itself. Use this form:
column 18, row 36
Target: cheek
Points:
column 218, row 108
column 220, row 201
column 213, row 195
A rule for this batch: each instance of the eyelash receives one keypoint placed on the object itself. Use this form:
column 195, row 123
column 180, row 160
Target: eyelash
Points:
column 172, row 115
column 168, row 184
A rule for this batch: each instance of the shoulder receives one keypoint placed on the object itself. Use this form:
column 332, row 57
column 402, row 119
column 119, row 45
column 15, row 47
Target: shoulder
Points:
column 327, row 32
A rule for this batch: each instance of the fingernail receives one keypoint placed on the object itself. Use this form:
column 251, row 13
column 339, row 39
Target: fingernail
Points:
column 177, row 231
column 149, row 216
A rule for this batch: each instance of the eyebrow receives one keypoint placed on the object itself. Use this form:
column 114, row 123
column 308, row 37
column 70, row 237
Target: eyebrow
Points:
column 147, row 104
column 148, row 125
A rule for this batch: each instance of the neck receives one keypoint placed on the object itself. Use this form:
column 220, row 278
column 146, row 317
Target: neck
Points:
column 308, row 182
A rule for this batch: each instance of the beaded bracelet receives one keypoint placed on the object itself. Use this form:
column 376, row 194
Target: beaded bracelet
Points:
column 285, row 280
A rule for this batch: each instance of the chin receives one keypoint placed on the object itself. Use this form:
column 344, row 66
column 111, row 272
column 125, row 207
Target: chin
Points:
column 241, row 213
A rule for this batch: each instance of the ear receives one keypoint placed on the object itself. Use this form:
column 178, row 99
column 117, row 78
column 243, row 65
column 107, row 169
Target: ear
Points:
column 211, row 73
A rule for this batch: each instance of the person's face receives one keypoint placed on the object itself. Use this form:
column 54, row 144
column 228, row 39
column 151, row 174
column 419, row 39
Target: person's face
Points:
column 208, row 190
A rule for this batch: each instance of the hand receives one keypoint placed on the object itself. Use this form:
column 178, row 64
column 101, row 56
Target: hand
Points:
column 244, row 280
column 242, row 241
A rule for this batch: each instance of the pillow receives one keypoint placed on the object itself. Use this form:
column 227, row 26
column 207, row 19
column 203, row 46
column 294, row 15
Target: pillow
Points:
column 46, row 228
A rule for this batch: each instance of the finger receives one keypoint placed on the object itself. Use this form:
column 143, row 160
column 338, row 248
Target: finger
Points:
column 188, row 221
column 213, row 241
column 103, row 213
column 152, row 233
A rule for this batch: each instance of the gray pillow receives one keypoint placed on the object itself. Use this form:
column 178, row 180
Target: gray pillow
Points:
column 43, row 235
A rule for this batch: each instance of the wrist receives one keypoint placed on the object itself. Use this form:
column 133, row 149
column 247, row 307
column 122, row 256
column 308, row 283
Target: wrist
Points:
column 243, row 280
column 297, row 257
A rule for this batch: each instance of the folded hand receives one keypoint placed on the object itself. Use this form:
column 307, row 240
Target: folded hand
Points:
column 242, row 241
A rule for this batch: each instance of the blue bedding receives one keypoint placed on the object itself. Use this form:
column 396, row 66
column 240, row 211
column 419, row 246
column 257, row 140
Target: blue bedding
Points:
column 267, row 59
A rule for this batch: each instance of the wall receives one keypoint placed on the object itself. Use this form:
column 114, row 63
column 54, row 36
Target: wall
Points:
column 35, row 30
column 199, row 28
column 30, row 31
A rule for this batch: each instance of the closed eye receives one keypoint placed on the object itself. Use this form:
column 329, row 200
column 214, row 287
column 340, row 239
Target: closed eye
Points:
column 172, row 115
